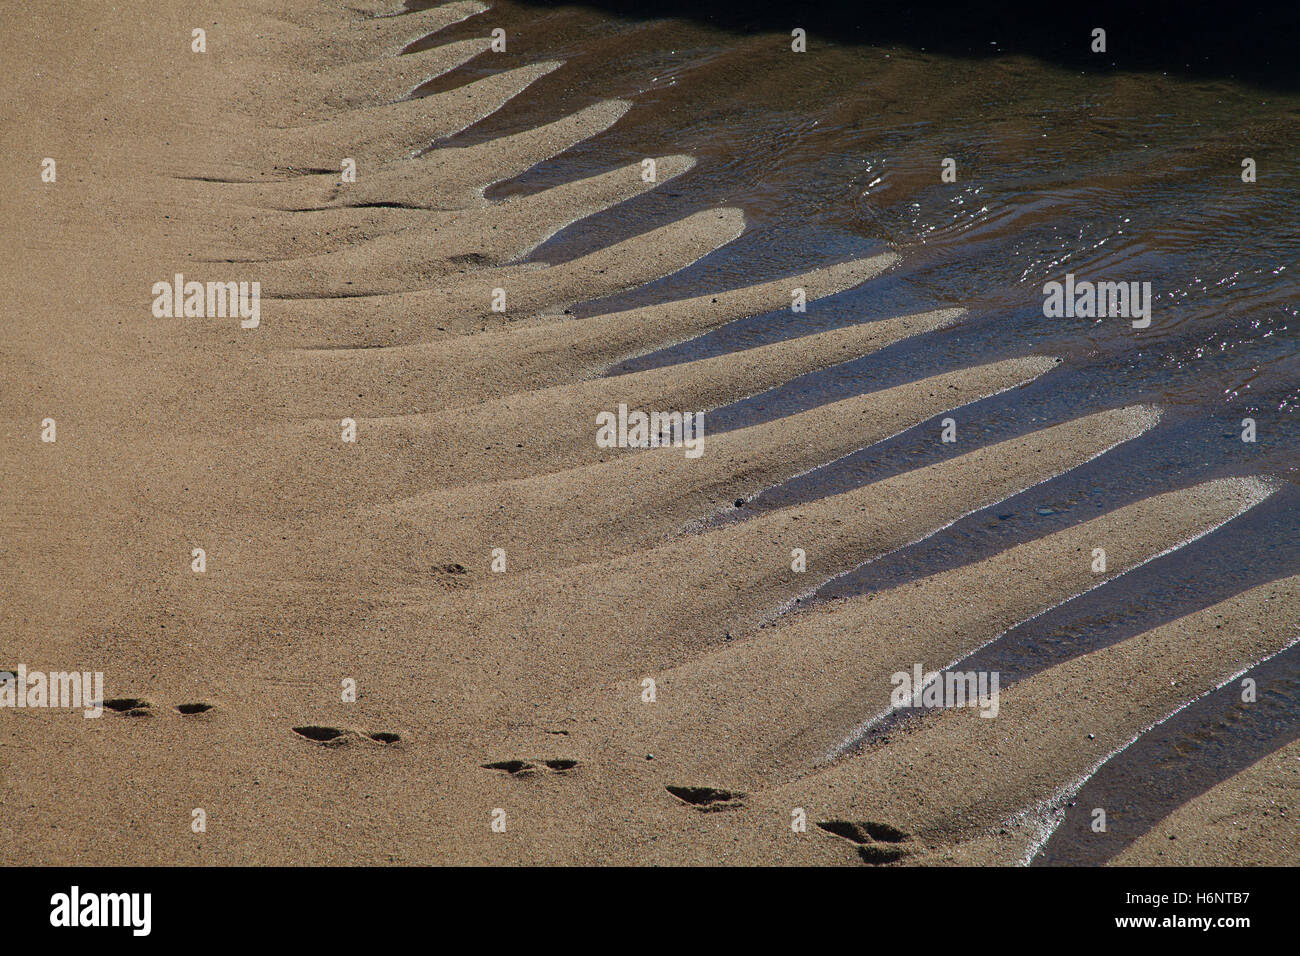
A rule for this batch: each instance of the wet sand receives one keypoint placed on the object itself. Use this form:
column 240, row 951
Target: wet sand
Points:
column 1248, row 820
column 372, row 561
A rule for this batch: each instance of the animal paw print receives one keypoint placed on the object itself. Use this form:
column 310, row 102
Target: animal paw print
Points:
column 139, row 707
column 130, row 706
column 708, row 799
column 877, row 843
column 525, row 768
column 336, row 737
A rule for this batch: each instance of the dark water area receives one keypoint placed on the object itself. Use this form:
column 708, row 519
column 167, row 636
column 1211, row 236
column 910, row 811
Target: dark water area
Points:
column 1193, row 38
column 1124, row 166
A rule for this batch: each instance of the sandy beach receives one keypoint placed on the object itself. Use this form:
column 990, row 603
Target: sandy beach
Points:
column 561, row 653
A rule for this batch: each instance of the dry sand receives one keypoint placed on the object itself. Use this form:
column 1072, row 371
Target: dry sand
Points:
column 370, row 561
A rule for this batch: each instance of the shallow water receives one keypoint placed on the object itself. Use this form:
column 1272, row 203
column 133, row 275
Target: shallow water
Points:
column 1110, row 174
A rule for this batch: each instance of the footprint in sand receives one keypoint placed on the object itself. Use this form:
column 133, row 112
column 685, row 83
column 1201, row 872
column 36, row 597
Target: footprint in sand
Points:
column 524, row 768
column 708, row 799
column 336, row 737
column 139, row 707
column 130, row 706
column 873, row 840
column 452, row 575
